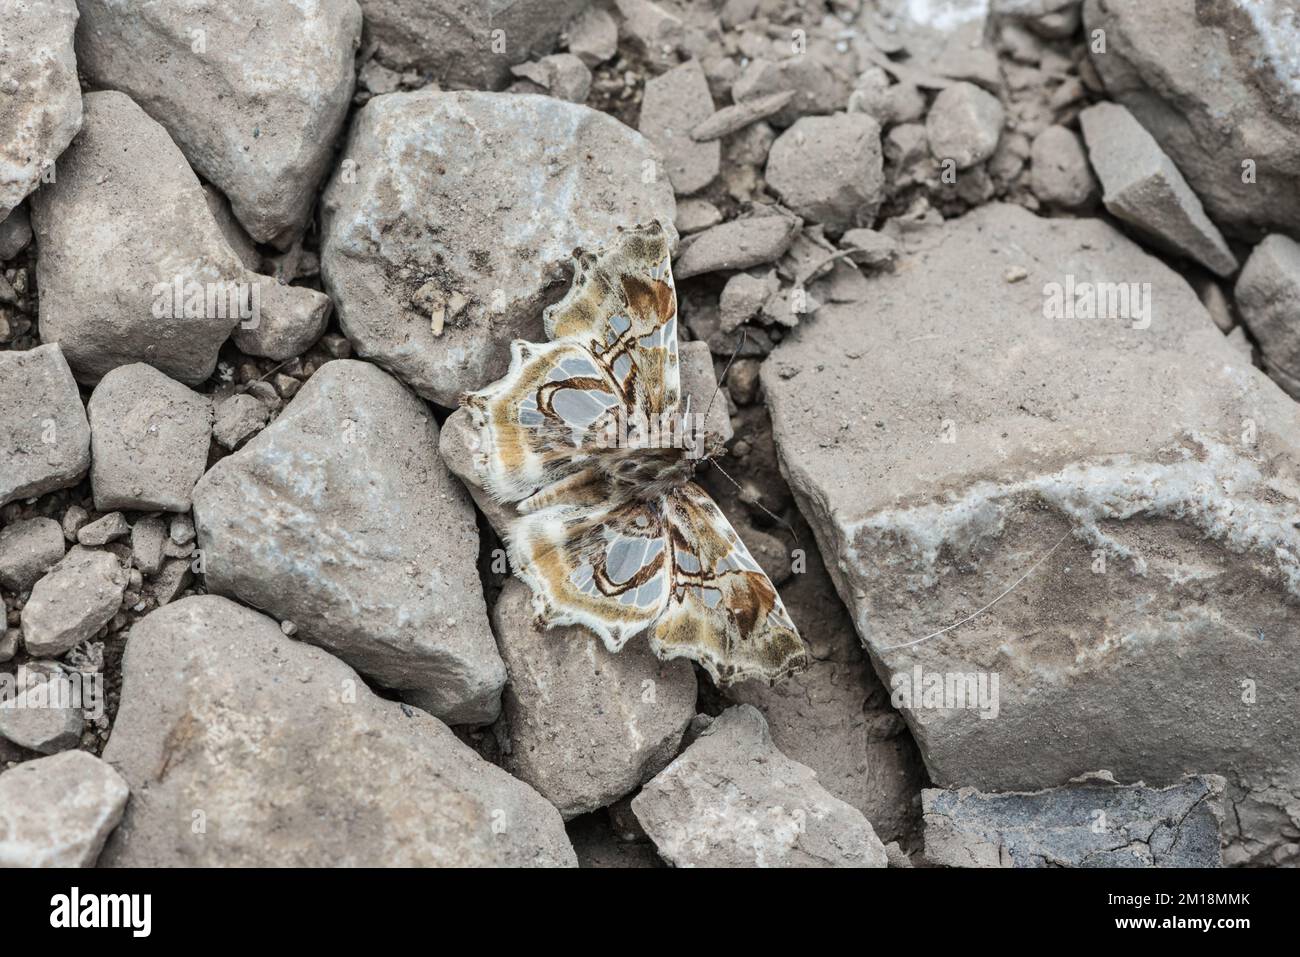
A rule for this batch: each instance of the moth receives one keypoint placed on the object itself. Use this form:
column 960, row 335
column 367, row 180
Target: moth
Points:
column 585, row 438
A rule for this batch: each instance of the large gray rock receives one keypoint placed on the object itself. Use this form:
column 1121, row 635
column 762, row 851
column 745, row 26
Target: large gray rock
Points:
column 829, row 169
column 40, row 98
column 149, row 438
column 341, row 518
column 58, row 811
column 1268, row 297
column 133, row 267
column 1143, row 188
column 254, row 93
column 79, row 596
column 1214, row 81
column 44, row 435
column 464, row 44
column 244, row 748
column 733, row 800
column 1132, row 492
column 586, row 726
column 1090, row 823
column 449, row 220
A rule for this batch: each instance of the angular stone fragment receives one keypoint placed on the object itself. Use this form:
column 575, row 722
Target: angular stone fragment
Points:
column 291, row 319
column 980, row 474
column 147, row 536
column 15, row 233
column 1268, row 296
column 103, row 530
column 293, row 761
column 964, row 125
column 673, row 104
column 1215, row 82
column 149, row 440
column 452, row 216
column 44, row 435
column 1092, row 822
column 1061, row 175
column 829, row 169
column 1144, row 188
column 694, row 215
column 74, row 600
column 743, row 297
column 593, row 36
column 40, row 99
column 562, row 75
column 59, row 811
column 738, row 244
column 238, row 419
column 463, row 44
column 254, row 93
column 869, row 247
column 28, row 549
column 732, row 119
column 172, row 579
column 733, row 800
column 586, row 726
column 341, row 518
column 43, row 715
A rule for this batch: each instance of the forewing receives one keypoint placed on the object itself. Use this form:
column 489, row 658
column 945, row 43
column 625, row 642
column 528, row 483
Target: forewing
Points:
column 623, row 307
column 595, row 559
column 537, row 425
column 722, row 610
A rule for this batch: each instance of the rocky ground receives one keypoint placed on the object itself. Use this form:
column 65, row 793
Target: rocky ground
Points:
column 1012, row 289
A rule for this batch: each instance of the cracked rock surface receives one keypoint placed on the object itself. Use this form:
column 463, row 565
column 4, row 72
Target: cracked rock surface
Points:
column 1090, row 823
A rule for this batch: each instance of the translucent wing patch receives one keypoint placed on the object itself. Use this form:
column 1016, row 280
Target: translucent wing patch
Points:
column 722, row 611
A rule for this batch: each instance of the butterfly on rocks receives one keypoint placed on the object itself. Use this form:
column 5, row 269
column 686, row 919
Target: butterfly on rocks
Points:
column 586, row 437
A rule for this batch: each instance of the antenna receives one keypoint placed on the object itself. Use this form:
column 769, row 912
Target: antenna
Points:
column 744, row 338
column 767, row 511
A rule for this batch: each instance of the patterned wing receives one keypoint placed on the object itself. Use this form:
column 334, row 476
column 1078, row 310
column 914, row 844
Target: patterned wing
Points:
column 536, row 425
column 723, row 611
column 594, row 558
column 623, row 307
